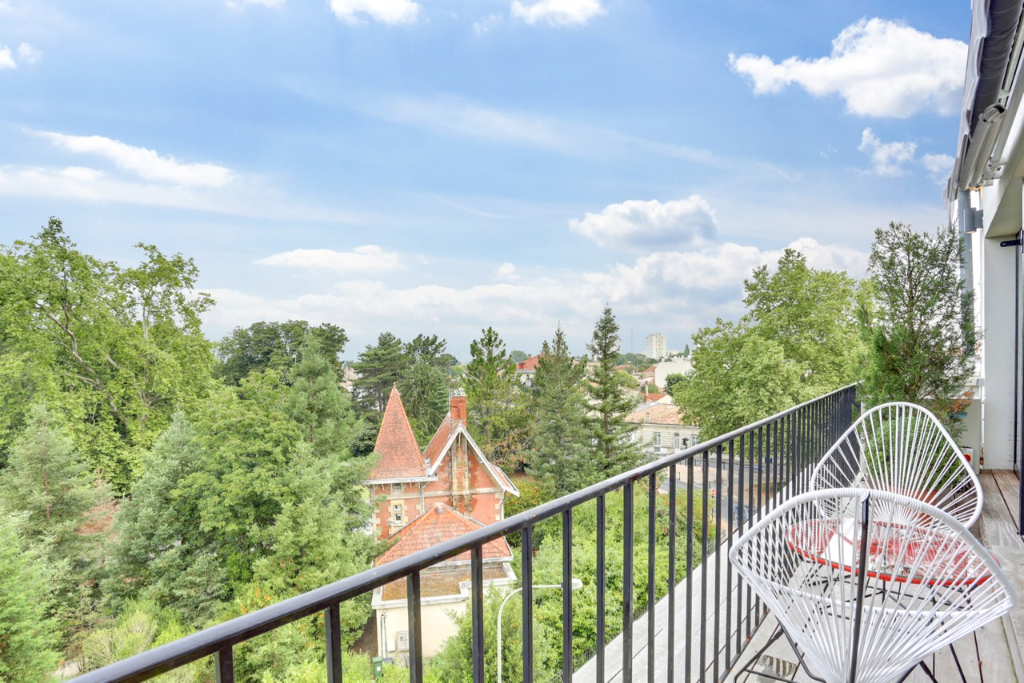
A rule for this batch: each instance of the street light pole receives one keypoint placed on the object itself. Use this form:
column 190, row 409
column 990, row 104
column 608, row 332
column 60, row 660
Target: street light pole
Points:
column 576, row 584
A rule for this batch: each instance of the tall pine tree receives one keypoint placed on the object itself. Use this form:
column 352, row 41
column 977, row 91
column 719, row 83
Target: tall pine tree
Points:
column 614, row 448
column 561, row 456
column 497, row 415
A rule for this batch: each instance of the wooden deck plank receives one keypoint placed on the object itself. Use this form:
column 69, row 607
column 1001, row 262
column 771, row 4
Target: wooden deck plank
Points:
column 1009, row 489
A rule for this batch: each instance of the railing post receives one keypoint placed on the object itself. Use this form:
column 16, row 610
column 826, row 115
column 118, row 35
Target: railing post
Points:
column 224, row 664
column 600, row 586
column 567, row 596
column 671, row 576
column 527, row 582
column 627, row 581
column 332, row 634
column 415, row 628
column 477, row 590
column 652, row 495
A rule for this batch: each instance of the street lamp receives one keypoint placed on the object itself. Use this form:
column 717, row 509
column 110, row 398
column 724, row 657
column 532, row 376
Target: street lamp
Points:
column 575, row 584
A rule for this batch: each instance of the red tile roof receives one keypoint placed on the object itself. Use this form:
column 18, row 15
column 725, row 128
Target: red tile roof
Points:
column 653, row 397
column 659, row 413
column 435, row 449
column 528, row 365
column 396, row 445
column 439, row 524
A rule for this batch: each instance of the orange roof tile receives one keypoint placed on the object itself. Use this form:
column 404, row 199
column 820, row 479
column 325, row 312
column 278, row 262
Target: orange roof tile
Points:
column 653, row 397
column 528, row 365
column 435, row 449
column 439, row 524
column 658, row 413
column 396, row 445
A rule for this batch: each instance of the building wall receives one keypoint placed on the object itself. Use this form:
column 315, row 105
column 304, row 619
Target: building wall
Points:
column 646, row 435
column 998, row 353
column 438, row 625
column 670, row 367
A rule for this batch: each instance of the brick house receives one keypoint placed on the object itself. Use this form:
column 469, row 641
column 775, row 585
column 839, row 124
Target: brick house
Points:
column 451, row 470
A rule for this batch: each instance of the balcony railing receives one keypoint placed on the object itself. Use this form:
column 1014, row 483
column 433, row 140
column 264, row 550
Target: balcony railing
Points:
column 755, row 468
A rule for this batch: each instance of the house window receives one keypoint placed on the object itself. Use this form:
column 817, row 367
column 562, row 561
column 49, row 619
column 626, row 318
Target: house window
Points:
column 396, row 514
column 396, row 488
column 657, row 438
column 675, row 438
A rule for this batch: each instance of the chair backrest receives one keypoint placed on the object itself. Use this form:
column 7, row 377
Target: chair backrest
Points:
column 903, row 448
column 861, row 592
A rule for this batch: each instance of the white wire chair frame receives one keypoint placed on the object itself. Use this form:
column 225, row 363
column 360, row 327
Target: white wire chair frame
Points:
column 862, row 594
column 903, row 448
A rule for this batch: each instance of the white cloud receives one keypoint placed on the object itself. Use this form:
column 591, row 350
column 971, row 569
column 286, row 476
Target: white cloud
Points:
column 28, row 54
column 887, row 157
column 368, row 258
column 558, row 12
column 636, row 224
column 881, row 68
column 6, row 58
column 680, row 289
column 938, row 165
column 484, row 25
column 507, row 272
column 386, row 11
column 145, row 163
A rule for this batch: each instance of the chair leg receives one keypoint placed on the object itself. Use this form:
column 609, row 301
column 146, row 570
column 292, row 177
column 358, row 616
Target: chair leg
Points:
column 776, row 634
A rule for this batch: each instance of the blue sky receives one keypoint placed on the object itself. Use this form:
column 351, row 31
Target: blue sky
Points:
column 440, row 166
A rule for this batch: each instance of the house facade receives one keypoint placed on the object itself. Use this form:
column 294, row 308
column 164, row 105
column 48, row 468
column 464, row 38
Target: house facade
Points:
column 662, row 429
column 452, row 470
column 423, row 498
column 983, row 198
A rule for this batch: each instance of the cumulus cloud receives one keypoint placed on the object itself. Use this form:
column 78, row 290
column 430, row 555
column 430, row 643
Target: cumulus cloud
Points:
column 881, row 68
column 28, row 54
column 145, row 163
column 939, row 166
column 368, row 258
column 6, row 58
column 384, row 11
column 558, row 12
column 650, row 224
column 887, row 158
column 679, row 289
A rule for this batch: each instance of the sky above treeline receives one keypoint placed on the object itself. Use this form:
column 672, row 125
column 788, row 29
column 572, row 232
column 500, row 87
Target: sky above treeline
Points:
column 440, row 166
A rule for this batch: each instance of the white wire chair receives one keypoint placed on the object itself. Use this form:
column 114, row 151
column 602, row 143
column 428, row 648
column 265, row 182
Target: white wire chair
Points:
column 863, row 595
column 903, row 448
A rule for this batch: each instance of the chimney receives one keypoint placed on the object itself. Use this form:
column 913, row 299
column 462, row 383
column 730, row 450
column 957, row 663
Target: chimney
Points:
column 458, row 409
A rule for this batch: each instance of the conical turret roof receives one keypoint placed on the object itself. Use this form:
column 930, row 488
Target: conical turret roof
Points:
column 396, row 445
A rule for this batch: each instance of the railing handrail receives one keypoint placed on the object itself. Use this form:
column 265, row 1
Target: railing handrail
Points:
column 213, row 639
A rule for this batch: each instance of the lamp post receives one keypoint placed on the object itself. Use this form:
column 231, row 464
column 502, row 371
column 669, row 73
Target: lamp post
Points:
column 575, row 584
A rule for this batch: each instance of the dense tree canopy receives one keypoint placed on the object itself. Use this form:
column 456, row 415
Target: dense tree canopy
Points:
column 265, row 345
column 797, row 340
column 116, row 350
column 918, row 321
column 496, row 401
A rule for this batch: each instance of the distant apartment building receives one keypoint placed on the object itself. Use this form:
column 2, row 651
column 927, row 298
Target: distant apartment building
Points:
column 654, row 346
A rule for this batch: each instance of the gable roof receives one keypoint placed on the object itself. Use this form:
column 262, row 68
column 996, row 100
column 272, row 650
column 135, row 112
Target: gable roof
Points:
column 659, row 413
column 528, row 365
column 441, row 444
column 396, row 444
column 439, row 524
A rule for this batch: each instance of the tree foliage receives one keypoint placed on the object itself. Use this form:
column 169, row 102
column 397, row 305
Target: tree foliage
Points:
column 918, row 321
column 380, row 367
column 496, row 402
column 115, row 349
column 28, row 634
column 614, row 450
column 560, row 454
column 797, row 340
column 265, row 345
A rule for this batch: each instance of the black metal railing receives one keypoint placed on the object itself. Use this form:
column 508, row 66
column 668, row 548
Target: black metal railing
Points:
column 765, row 463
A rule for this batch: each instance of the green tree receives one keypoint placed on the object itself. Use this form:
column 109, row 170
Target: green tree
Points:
column 671, row 381
column 517, row 356
column 317, row 403
column 28, row 635
column 426, row 384
column 727, row 388
column 686, row 351
column 380, row 367
column 497, row 415
column 918, row 320
column 812, row 315
column 560, row 454
column 60, row 512
column 274, row 345
column 162, row 555
column 122, row 347
column 799, row 332
column 615, row 449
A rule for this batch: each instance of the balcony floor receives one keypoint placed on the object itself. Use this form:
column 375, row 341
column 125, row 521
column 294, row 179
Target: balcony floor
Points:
column 991, row 655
